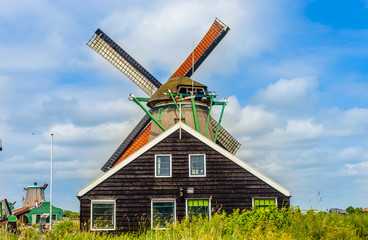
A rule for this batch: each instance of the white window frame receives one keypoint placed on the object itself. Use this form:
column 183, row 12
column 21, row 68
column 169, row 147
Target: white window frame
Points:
column 204, row 165
column 162, row 200
column 114, row 211
column 209, row 205
column 156, row 165
column 253, row 198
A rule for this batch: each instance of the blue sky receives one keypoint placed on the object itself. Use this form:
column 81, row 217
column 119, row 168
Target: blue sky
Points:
column 295, row 73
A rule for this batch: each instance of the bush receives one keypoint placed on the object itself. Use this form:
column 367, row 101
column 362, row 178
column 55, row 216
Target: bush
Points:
column 252, row 224
column 71, row 214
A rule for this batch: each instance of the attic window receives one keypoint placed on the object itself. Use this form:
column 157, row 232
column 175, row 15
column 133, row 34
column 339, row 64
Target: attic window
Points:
column 264, row 203
column 103, row 214
column 163, row 165
column 197, row 165
column 190, row 90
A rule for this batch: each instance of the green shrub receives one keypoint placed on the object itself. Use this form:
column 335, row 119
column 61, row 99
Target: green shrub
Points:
column 252, row 224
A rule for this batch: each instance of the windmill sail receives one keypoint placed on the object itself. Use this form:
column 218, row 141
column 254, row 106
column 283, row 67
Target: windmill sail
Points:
column 225, row 138
column 112, row 52
column 215, row 34
column 130, row 139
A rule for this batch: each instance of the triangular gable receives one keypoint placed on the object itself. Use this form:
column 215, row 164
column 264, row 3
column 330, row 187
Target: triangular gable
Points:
column 200, row 137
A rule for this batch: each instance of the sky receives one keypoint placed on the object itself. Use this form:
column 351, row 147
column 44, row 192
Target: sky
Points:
column 294, row 72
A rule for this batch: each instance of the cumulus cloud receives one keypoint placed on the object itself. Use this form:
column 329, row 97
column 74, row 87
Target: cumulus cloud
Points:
column 356, row 169
column 293, row 94
column 169, row 44
column 52, row 82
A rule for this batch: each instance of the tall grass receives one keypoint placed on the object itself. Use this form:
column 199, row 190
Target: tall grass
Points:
column 255, row 224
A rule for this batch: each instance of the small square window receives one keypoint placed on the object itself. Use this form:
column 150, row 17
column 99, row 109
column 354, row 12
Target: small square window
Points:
column 163, row 166
column 103, row 215
column 197, row 165
column 163, row 212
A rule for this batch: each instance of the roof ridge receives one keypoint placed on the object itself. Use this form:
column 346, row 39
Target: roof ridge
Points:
column 197, row 135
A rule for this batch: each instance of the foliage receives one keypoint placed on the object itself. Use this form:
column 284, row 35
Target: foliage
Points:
column 358, row 210
column 350, row 210
column 71, row 214
column 255, row 224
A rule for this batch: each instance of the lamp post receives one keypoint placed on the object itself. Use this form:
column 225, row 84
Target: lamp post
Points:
column 52, row 146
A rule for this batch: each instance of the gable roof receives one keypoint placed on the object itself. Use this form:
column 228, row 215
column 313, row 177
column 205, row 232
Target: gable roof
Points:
column 195, row 134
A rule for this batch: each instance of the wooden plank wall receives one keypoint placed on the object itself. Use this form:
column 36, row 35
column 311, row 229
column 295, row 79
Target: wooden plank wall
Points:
column 133, row 187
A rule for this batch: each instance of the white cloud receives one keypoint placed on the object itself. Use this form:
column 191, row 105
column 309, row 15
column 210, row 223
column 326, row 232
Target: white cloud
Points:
column 171, row 31
column 104, row 133
column 248, row 120
column 353, row 154
column 52, row 82
column 356, row 169
column 297, row 93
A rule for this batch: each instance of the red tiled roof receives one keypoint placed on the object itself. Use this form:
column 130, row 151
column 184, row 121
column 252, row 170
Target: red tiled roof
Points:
column 139, row 142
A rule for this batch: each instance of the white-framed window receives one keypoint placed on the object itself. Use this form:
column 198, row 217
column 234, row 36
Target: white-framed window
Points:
column 163, row 165
column 197, row 165
column 163, row 211
column 263, row 202
column 103, row 215
column 196, row 207
column 38, row 218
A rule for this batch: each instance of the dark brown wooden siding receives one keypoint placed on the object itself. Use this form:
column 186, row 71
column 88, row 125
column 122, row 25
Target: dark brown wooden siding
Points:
column 226, row 183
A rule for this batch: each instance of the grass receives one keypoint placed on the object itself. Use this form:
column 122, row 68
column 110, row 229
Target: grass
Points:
column 255, row 224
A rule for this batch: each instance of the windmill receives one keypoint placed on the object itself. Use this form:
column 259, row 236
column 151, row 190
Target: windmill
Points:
column 179, row 99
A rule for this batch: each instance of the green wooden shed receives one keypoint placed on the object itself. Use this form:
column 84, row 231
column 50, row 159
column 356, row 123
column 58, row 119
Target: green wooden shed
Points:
column 34, row 215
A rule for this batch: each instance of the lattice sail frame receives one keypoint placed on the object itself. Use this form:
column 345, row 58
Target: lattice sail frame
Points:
column 113, row 53
column 214, row 35
column 225, row 138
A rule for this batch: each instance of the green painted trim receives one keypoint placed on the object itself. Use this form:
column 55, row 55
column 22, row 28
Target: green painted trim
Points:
column 219, row 103
column 177, row 107
column 147, row 112
column 195, row 117
column 159, row 114
column 208, row 118
column 195, row 95
column 218, row 126
column 182, row 106
column 143, row 99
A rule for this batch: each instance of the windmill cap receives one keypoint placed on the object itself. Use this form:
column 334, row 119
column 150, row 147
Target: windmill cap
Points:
column 173, row 85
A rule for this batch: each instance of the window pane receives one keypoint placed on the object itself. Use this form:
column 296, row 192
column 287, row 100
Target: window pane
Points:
column 198, row 207
column 163, row 213
column 197, row 165
column 264, row 203
column 53, row 218
column 103, row 215
column 163, row 165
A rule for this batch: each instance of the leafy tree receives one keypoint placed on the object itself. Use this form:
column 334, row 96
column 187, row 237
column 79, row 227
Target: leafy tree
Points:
column 358, row 210
column 350, row 210
column 71, row 214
